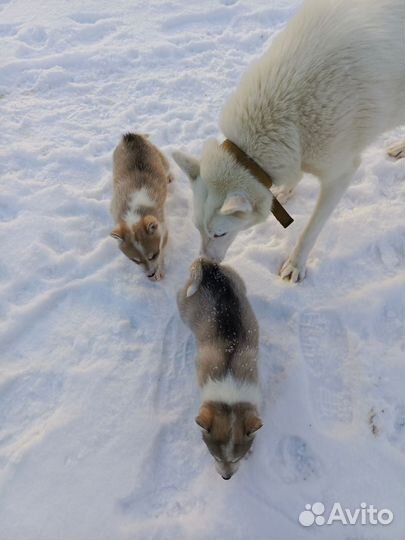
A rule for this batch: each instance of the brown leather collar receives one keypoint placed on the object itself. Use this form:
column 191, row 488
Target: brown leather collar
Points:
column 279, row 212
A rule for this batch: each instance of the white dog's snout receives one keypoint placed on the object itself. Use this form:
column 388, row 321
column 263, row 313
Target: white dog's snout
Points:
column 211, row 256
column 210, row 251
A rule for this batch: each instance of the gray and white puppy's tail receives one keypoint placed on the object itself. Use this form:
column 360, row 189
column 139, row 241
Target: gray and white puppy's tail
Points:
column 196, row 276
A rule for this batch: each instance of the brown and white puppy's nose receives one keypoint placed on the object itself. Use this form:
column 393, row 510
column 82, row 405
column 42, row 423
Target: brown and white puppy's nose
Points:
column 226, row 476
column 155, row 275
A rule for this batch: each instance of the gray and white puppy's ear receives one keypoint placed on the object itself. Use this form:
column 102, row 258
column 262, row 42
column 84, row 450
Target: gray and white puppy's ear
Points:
column 196, row 274
column 252, row 424
column 205, row 418
column 236, row 202
column 188, row 164
column 118, row 232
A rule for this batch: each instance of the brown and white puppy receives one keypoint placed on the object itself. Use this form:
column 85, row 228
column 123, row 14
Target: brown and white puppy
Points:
column 214, row 305
column 141, row 174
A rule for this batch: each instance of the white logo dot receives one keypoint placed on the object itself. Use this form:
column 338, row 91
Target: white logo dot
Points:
column 385, row 516
column 320, row 520
column 306, row 518
column 318, row 508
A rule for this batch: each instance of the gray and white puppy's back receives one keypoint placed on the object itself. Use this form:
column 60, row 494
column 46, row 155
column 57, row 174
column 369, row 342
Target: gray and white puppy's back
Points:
column 214, row 305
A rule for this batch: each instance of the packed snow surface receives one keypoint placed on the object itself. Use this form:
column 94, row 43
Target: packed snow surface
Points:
column 97, row 385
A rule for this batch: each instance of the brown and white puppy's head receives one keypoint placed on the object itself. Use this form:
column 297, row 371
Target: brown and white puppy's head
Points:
column 227, row 199
column 229, row 429
column 143, row 243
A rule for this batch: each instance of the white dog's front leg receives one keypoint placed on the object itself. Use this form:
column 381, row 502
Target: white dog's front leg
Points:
column 331, row 191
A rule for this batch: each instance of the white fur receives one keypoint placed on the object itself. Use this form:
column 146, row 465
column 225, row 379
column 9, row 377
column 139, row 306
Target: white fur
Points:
column 332, row 81
column 140, row 198
column 229, row 448
column 230, row 391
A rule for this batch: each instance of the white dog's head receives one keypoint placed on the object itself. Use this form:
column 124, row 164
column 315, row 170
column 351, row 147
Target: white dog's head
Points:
column 227, row 199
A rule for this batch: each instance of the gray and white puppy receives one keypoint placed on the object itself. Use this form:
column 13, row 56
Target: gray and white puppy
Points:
column 214, row 305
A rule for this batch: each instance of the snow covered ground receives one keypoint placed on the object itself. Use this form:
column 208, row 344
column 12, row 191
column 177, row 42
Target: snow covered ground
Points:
column 97, row 386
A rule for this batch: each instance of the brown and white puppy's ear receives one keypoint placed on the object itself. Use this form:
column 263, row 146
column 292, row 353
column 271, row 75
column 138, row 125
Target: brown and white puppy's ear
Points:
column 119, row 231
column 196, row 274
column 151, row 224
column 188, row 164
column 252, row 423
column 236, row 203
column 205, row 418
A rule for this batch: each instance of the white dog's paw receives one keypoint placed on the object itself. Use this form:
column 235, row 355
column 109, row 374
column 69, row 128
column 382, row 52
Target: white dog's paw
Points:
column 397, row 150
column 292, row 271
column 282, row 194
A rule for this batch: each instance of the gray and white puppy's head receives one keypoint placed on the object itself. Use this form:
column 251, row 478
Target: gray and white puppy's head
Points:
column 228, row 432
column 227, row 199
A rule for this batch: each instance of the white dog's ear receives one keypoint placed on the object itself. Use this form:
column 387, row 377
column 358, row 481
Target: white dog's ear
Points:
column 236, row 202
column 196, row 274
column 188, row 164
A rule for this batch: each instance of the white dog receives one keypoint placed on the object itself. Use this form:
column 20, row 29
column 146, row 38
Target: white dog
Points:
column 332, row 81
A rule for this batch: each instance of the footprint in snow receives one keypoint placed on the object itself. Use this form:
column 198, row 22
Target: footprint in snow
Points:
column 176, row 365
column 296, row 461
column 390, row 254
column 8, row 210
column 397, row 432
column 273, row 365
column 324, row 347
column 8, row 30
column 35, row 36
column 88, row 18
column 169, row 467
column 25, row 401
column 389, row 422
